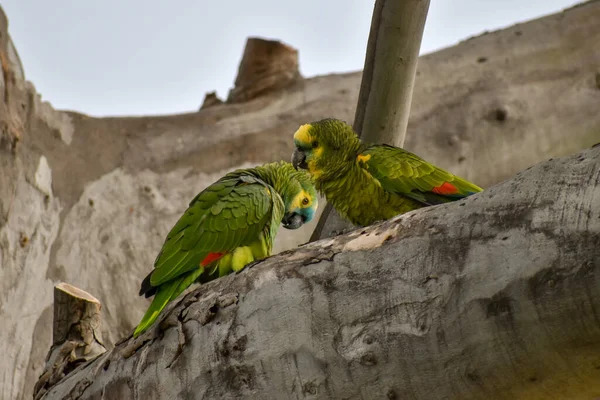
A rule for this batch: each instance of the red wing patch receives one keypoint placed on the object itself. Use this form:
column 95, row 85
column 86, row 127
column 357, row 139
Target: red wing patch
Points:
column 445, row 188
column 210, row 258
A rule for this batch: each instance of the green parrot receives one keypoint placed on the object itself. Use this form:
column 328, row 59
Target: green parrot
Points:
column 369, row 183
column 228, row 225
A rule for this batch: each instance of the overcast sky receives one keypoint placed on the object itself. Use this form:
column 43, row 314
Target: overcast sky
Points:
column 136, row 57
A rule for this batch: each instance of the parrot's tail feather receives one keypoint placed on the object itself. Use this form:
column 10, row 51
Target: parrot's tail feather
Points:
column 150, row 293
column 160, row 301
column 165, row 293
column 146, row 288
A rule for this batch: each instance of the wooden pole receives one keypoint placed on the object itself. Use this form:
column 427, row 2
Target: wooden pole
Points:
column 387, row 84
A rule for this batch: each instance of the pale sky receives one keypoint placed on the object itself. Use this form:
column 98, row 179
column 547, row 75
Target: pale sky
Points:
column 145, row 57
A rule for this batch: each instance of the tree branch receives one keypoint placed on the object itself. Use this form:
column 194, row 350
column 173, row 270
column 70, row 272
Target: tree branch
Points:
column 492, row 297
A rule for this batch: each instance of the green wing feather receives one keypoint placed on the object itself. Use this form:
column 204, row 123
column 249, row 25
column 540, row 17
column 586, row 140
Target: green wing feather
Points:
column 234, row 217
column 402, row 172
column 234, row 211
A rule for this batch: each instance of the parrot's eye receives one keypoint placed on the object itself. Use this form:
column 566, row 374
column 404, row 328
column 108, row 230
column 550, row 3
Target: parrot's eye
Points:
column 315, row 144
column 304, row 201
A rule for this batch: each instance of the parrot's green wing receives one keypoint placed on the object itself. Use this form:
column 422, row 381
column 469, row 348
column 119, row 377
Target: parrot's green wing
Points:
column 402, row 172
column 230, row 213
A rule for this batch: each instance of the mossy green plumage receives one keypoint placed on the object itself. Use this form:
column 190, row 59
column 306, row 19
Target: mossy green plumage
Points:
column 369, row 183
column 228, row 225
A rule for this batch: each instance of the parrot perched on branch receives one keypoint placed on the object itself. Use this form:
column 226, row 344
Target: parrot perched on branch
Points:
column 369, row 183
column 228, row 225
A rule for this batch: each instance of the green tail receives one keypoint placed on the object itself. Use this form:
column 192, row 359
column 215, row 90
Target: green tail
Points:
column 165, row 293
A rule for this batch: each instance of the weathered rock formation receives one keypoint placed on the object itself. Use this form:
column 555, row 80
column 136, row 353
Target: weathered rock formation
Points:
column 88, row 200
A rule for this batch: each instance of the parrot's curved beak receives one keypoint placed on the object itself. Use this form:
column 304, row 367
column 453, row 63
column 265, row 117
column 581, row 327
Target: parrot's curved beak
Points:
column 292, row 221
column 299, row 159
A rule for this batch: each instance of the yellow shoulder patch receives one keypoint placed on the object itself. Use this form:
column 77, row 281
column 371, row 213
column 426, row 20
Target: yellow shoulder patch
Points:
column 302, row 135
column 316, row 173
column 362, row 158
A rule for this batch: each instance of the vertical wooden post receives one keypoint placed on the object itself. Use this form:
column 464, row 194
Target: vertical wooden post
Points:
column 387, row 84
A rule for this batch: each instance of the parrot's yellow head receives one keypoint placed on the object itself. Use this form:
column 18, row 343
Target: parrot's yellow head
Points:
column 325, row 148
column 299, row 197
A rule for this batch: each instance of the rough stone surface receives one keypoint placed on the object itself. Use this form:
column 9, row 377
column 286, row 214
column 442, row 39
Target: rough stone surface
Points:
column 266, row 66
column 493, row 297
column 73, row 200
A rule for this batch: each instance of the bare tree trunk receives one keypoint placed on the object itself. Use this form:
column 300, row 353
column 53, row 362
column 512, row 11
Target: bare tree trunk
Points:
column 493, row 297
column 387, row 84
column 76, row 336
